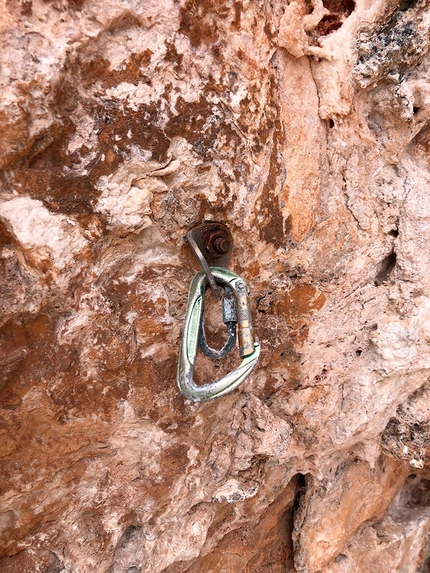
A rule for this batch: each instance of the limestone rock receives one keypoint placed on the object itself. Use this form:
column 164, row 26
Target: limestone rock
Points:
column 333, row 509
column 399, row 542
column 302, row 126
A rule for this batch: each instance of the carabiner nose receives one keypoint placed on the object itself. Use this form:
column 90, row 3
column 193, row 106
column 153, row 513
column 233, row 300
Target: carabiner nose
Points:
column 249, row 350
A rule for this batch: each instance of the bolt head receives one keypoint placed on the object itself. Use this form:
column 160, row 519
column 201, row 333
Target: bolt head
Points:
column 221, row 245
column 216, row 242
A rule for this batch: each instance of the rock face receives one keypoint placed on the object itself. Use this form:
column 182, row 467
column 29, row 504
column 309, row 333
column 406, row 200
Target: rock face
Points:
column 304, row 126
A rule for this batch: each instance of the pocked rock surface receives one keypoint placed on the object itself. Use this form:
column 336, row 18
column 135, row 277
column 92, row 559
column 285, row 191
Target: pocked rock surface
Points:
column 304, row 126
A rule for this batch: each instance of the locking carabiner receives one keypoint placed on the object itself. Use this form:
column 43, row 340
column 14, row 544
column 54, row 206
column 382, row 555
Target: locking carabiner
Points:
column 248, row 349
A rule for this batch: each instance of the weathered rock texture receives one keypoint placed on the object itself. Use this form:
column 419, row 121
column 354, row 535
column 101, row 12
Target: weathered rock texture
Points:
column 304, row 126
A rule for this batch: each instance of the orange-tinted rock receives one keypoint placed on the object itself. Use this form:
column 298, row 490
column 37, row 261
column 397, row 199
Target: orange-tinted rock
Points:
column 333, row 509
column 263, row 545
column 304, row 128
column 30, row 561
column 399, row 541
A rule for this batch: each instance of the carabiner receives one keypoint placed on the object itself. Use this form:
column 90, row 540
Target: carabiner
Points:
column 248, row 349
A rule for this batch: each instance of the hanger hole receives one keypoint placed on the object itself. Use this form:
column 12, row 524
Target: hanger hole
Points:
column 387, row 265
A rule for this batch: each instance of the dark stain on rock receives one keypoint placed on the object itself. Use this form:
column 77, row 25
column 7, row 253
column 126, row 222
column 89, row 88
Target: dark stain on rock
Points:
column 283, row 322
column 98, row 70
column 251, row 114
column 6, row 238
column 175, row 460
column 51, row 172
column 288, row 225
column 271, row 228
column 270, row 220
column 125, row 21
column 90, row 526
column 238, row 8
column 173, row 56
column 300, row 301
column 23, row 8
column 199, row 122
column 404, row 441
column 200, row 18
column 32, row 353
column 76, row 4
column 15, row 351
column 396, row 46
column 17, row 283
column 127, row 127
column 130, row 533
column 89, row 72
column 66, row 180
column 31, row 560
column 48, row 171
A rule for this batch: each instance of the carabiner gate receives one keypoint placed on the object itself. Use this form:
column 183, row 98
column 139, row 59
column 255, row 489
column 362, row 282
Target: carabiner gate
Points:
column 249, row 349
column 229, row 318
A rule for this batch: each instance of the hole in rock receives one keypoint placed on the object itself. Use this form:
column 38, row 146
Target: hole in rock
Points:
column 419, row 148
column 387, row 265
column 26, row 7
column 301, row 487
column 6, row 238
column 415, row 110
column 393, row 233
column 358, row 352
column 129, row 534
column 330, row 123
column 415, row 492
column 406, row 4
column 262, row 544
column 425, row 567
column 339, row 10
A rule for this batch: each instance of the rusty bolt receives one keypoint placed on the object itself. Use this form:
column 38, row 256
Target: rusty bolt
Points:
column 217, row 242
column 221, row 245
